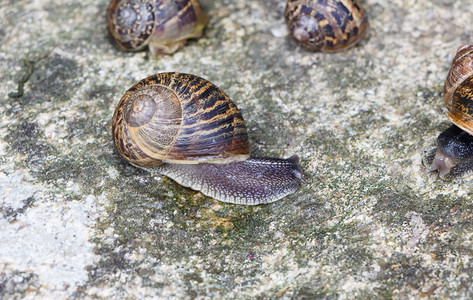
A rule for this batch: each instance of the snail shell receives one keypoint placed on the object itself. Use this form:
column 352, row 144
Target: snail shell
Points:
column 186, row 128
column 326, row 25
column 162, row 25
column 454, row 153
column 458, row 89
column 178, row 118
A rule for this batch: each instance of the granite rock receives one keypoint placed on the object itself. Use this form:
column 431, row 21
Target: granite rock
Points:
column 77, row 221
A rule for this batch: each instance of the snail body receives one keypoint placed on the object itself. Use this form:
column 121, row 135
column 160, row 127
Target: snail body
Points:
column 162, row 25
column 454, row 153
column 326, row 25
column 256, row 180
column 186, row 128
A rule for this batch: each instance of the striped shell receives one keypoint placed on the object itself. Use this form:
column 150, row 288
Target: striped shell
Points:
column 458, row 89
column 326, row 25
column 163, row 25
column 181, row 119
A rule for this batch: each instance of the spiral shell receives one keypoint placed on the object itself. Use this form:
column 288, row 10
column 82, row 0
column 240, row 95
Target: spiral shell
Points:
column 162, row 25
column 180, row 119
column 326, row 25
column 458, row 89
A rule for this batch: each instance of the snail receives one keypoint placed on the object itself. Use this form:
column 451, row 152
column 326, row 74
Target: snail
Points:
column 326, row 25
column 454, row 153
column 162, row 25
column 186, row 128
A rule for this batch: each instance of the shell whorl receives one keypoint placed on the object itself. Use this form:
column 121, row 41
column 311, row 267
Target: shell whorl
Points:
column 458, row 89
column 131, row 22
column 178, row 118
column 326, row 25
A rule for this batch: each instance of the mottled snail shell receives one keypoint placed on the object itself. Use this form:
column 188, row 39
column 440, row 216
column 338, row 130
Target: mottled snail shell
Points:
column 453, row 156
column 326, row 25
column 181, row 119
column 186, row 128
column 458, row 89
column 164, row 26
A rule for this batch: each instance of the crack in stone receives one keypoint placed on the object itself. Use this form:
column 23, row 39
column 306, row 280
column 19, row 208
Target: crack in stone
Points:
column 28, row 68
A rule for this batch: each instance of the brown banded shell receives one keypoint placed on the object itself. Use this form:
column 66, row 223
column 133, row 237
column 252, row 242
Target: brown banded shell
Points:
column 162, row 25
column 181, row 119
column 458, row 89
column 326, row 25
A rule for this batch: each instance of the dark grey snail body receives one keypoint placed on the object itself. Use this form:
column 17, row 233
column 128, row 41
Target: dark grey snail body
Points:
column 186, row 128
column 453, row 156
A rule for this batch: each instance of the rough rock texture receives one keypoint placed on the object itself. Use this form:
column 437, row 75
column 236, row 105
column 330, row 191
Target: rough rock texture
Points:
column 77, row 221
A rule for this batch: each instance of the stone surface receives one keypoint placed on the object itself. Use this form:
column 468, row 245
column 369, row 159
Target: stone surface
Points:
column 77, row 221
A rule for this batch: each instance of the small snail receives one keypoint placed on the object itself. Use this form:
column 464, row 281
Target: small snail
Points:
column 326, row 25
column 454, row 154
column 186, row 128
column 163, row 25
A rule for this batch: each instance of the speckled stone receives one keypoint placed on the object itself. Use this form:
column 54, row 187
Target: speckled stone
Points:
column 77, row 221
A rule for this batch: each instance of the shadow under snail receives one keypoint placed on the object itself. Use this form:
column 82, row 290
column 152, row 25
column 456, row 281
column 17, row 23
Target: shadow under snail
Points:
column 163, row 26
column 186, row 128
column 454, row 153
column 326, row 25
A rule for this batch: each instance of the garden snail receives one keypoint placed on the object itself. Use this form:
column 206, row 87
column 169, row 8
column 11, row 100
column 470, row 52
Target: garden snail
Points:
column 162, row 25
column 186, row 128
column 454, row 153
column 326, row 25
